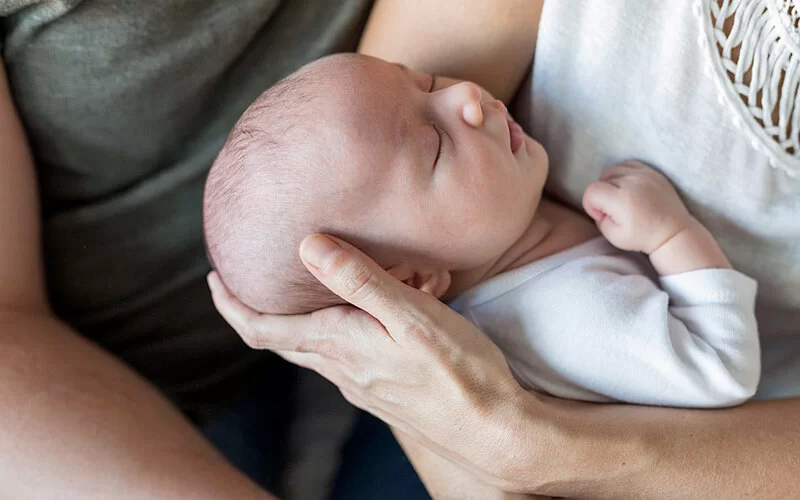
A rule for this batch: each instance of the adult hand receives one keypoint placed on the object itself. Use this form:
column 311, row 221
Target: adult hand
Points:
column 399, row 354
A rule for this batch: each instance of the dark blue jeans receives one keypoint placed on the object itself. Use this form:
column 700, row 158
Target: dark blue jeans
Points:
column 250, row 434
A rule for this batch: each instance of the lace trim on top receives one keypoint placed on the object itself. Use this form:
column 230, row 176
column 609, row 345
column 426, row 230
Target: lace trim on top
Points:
column 753, row 49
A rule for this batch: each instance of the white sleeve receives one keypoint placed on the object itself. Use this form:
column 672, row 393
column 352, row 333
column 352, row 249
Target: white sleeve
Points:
column 713, row 330
column 619, row 337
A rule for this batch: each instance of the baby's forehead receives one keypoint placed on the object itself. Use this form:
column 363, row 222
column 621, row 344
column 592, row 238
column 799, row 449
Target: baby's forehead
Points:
column 369, row 103
column 342, row 116
column 360, row 116
column 355, row 68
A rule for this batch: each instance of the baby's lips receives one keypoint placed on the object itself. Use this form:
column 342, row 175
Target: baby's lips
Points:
column 516, row 135
column 515, row 132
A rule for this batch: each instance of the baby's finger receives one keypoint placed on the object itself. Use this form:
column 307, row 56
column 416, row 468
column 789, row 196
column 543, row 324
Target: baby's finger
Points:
column 629, row 166
column 614, row 174
column 599, row 199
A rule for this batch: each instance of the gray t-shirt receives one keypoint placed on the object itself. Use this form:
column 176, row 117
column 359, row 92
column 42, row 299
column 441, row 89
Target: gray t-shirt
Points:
column 125, row 105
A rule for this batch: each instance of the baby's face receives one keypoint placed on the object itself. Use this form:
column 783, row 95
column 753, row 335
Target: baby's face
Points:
column 419, row 174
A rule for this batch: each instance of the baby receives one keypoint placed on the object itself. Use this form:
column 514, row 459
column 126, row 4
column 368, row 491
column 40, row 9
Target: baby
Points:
column 443, row 189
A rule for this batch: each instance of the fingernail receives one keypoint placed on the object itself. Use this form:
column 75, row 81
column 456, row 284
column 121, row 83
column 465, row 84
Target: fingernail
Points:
column 318, row 250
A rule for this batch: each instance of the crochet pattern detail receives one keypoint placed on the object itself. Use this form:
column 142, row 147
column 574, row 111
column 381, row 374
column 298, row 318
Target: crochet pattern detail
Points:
column 753, row 49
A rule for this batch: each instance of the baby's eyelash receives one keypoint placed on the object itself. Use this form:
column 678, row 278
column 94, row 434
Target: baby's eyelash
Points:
column 441, row 143
column 433, row 83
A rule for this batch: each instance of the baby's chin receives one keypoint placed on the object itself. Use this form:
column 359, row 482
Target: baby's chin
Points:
column 537, row 153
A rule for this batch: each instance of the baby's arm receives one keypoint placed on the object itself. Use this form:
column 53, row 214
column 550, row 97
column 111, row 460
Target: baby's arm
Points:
column 636, row 208
column 601, row 330
column 690, row 249
column 711, row 306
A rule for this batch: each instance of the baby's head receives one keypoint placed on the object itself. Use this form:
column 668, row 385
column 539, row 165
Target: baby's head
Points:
column 362, row 149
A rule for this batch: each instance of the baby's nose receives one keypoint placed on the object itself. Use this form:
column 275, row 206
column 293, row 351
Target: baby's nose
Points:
column 466, row 99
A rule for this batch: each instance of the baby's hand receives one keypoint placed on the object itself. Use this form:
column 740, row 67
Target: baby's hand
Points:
column 635, row 207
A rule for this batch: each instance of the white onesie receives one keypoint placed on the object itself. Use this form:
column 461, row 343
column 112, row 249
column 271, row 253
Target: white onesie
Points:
column 597, row 324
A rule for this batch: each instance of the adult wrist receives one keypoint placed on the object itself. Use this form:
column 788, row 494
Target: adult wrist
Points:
column 569, row 448
column 528, row 430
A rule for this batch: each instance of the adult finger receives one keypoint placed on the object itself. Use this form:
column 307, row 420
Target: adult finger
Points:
column 302, row 332
column 356, row 278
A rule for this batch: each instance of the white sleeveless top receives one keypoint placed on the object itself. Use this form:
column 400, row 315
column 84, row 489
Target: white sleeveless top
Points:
column 707, row 92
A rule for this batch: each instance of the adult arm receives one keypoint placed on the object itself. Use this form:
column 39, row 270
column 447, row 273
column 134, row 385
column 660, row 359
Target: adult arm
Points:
column 422, row 368
column 446, row 480
column 74, row 421
column 621, row 451
column 490, row 43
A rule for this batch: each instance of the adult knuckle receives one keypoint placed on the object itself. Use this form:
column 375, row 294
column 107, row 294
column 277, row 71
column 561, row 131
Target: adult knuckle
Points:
column 363, row 379
column 418, row 332
column 342, row 319
column 315, row 345
column 333, row 319
column 355, row 399
column 320, row 340
column 251, row 337
column 358, row 281
column 351, row 398
column 423, row 334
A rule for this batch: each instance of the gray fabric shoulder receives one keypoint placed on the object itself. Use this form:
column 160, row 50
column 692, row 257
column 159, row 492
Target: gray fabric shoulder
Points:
column 8, row 7
column 40, row 8
column 36, row 13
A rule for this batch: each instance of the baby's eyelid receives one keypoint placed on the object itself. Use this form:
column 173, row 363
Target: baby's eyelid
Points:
column 433, row 83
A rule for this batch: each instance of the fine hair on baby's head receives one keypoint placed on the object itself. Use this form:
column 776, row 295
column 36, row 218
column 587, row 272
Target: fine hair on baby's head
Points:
column 365, row 150
column 261, row 200
column 286, row 171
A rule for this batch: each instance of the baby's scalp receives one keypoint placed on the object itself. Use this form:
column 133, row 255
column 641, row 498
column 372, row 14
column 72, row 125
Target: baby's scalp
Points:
column 285, row 171
column 259, row 199
column 348, row 146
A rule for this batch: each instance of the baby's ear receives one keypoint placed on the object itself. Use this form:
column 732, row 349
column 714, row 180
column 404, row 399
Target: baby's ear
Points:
column 434, row 282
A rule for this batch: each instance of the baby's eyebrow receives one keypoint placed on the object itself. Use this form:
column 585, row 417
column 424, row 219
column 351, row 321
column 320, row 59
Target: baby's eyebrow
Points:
column 402, row 67
column 402, row 129
column 405, row 69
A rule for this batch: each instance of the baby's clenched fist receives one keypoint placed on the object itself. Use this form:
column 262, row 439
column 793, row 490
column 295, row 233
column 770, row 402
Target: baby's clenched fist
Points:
column 635, row 207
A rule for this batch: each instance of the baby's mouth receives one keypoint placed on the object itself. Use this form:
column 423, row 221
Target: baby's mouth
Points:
column 515, row 134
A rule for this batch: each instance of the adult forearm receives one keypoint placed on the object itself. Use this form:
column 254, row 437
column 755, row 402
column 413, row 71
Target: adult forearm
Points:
column 489, row 43
column 446, row 480
column 74, row 422
column 619, row 451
